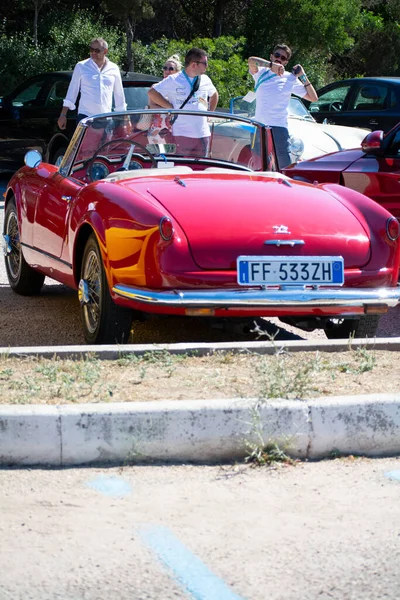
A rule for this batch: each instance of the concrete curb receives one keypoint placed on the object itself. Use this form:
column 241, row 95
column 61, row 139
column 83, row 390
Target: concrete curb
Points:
column 111, row 352
column 198, row 431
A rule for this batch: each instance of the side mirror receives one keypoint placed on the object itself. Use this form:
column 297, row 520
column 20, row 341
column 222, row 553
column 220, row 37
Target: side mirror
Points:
column 32, row 159
column 371, row 144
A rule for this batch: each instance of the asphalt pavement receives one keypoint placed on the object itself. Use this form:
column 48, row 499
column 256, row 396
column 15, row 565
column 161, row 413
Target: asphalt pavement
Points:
column 201, row 431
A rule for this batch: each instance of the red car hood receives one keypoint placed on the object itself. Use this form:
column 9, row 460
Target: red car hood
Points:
column 227, row 216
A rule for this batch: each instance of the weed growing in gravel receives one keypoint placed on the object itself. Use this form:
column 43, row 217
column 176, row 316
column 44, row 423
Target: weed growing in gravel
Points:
column 267, row 454
column 166, row 360
column 42, row 380
column 5, row 374
column 283, row 379
column 365, row 360
column 262, row 452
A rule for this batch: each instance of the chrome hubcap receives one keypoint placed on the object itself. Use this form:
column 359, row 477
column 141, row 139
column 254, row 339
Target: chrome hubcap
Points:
column 12, row 246
column 90, row 291
column 83, row 292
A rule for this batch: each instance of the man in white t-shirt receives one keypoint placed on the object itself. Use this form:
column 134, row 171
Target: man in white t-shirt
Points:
column 191, row 134
column 273, row 88
column 97, row 79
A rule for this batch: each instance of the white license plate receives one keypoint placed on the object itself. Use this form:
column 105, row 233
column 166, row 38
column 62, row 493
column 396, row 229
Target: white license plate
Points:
column 290, row 270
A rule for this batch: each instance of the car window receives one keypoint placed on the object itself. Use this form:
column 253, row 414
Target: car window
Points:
column 394, row 148
column 392, row 100
column 29, row 96
column 136, row 97
column 370, row 96
column 243, row 108
column 332, row 101
column 297, row 109
column 57, row 94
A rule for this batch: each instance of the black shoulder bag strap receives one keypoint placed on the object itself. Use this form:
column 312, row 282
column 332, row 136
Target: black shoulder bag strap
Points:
column 195, row 87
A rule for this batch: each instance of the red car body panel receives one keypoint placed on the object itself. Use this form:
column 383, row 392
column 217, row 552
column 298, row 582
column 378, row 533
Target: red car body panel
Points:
column 372, row 171
column 208, row 208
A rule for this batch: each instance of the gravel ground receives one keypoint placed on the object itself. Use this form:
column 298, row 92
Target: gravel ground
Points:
column 327, row 530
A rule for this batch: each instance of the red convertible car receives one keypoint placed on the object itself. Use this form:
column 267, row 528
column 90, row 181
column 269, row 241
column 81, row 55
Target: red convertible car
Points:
column 373, row 169
column 141, row 218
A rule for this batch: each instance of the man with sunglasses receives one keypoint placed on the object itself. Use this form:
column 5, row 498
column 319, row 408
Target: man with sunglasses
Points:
column 97, row 79
column 273, row 88
column 191, row 89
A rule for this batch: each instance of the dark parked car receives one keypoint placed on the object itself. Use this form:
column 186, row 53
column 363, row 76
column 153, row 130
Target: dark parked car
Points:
column 372, row 169
column 371, row 102
column 28, row 115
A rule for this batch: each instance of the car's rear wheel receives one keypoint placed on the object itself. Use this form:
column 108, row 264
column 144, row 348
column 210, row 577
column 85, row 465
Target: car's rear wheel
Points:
column 22, row 278
column 103, row 321
column 361, row 327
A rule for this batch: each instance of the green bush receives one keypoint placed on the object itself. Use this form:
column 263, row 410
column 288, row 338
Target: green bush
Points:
column 66, row 43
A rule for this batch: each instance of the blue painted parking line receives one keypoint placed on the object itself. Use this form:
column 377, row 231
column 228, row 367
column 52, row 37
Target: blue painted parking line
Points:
column 189, row 571
column 112, row 486
column 394, row 475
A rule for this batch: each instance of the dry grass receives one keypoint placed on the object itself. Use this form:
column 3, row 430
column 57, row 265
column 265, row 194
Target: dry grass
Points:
column 165, row 376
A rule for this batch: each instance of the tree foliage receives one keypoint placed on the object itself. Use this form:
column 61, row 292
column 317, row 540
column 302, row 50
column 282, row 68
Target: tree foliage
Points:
column 66, row 43
column 129, row 13
column 377, row 51
column 331, row 39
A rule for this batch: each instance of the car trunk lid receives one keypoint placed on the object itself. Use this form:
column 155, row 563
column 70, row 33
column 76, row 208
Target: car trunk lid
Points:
column 224, row 216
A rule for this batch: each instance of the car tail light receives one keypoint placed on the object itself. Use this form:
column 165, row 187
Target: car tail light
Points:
column 166, row 229
column 392, row 228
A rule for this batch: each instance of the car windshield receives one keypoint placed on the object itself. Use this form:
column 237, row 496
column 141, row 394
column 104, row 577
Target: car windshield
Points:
column 240, row 106
column 137, row 140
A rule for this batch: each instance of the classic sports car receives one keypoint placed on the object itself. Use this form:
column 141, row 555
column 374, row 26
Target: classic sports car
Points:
column 307, row 137
column 142, row 221
column 372, row 170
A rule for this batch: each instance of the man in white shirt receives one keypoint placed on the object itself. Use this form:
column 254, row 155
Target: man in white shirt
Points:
column 191, row 134
column 97, row 79
column 273, row 88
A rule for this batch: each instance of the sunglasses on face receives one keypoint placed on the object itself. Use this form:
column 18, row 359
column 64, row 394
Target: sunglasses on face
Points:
column 281, row 56
column 96, row 50
column 165, row 68
column 199, row 62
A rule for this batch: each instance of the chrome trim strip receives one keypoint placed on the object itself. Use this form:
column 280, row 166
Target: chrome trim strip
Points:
column 47, row 254
column 248, row 297
column 284, row 243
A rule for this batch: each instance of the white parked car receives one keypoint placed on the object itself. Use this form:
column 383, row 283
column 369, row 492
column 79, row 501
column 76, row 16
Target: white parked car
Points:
column 308, row 138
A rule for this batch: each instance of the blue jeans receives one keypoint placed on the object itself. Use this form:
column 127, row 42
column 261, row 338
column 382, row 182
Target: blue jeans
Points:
column 281, row 141
column 80, row 117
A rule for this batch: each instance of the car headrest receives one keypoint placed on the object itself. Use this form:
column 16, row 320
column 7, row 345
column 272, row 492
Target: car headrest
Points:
column 370, row 92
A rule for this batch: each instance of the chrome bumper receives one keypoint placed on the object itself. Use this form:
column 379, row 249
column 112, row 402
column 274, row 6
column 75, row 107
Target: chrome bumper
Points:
column 251, row 297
